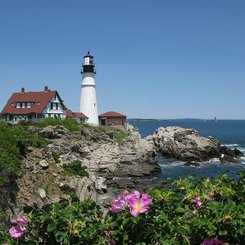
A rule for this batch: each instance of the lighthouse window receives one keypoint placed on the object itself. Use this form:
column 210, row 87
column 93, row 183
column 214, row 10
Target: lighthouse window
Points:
column 94, row 104
column 86, row 61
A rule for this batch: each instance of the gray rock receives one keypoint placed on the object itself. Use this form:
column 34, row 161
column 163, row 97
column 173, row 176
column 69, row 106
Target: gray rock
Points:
column 185, row 144
column 44, row 163
column 99, row 183
column 54, row 132
column 228, row 159
column 41, row 192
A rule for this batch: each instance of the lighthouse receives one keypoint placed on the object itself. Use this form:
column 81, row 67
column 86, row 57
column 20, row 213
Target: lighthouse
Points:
column 88, row 103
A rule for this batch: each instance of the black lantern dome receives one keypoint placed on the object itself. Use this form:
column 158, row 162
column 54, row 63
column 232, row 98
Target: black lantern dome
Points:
column 88, row 63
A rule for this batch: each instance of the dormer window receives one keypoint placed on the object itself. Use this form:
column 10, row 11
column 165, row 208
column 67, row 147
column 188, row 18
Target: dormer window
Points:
column 23, row 104
column 54, row 106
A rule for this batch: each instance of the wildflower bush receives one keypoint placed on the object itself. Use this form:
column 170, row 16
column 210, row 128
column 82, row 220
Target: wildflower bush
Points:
column 189, row 211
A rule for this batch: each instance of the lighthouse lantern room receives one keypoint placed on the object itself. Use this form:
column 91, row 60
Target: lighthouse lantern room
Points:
column 88, row 103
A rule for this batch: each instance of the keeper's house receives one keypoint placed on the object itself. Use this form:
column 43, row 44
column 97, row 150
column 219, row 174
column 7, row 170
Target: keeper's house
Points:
column 78, row 116
column 33, row 106
column 112, row 118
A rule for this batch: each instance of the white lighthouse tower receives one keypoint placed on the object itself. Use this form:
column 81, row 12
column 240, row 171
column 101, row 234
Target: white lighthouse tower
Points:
column 88, row 103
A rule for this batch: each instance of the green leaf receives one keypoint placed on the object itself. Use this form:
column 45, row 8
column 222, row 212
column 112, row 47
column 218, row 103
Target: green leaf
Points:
column 180, row 210
column 51, row 227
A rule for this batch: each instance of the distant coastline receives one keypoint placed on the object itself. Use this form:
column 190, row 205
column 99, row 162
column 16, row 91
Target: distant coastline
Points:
column 182, row 119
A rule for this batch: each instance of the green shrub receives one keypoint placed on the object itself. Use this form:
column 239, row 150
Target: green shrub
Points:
column 14, row 143
column 56, row 156
column 70, row 124
column 175, row 217
column 75, row 168
column 120, row 135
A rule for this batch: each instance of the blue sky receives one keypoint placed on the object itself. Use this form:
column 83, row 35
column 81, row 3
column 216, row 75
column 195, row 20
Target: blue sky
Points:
column 154, row 59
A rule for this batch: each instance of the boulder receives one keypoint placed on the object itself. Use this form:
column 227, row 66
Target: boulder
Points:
column 238, row 153
column 185, row 144
column 229, row 155
column 43, row 163
column 228, row 159
column 54, row 132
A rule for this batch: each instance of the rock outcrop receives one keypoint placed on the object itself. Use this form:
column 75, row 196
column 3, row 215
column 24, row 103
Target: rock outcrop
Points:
column 187, row 145
column 111, row 167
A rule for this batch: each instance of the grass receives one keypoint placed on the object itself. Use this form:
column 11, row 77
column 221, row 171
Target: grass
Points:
column 70, row 124
column 75, row 168
column 14, row 143
column 56, row 156
column 120, row 135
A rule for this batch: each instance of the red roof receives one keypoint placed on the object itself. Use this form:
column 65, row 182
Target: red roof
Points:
column 112, row 114
column 71, row 114
column 39, row 99
column 80, row 115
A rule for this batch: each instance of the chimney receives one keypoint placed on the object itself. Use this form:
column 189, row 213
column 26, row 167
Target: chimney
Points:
column 22, row 90
column 45, row 88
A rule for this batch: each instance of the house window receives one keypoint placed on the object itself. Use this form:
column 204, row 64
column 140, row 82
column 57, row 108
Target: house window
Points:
column 54, row 106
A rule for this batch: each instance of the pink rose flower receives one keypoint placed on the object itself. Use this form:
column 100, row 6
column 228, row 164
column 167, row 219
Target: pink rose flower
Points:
column 21, row 221
column 119, row 203
column 138, row 203
column 212, row 241
column 208, row 198
column 197, row 202
column 17, row 231
column 18, row 228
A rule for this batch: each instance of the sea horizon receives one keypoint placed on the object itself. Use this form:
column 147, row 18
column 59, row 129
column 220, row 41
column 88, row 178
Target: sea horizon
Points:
column 187, row 118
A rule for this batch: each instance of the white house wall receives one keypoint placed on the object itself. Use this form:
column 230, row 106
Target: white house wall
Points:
column 50, row 111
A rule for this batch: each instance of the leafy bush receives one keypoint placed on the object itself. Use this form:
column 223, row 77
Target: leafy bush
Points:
column 14, row 143
column 75, row 168
column 56, row 156
column 70, row 124
column 190, row 211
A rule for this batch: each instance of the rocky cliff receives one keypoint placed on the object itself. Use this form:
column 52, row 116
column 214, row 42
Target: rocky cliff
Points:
column 111, row 167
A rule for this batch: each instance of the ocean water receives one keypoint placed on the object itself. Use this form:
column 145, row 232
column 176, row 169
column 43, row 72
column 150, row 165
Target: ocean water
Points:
column 229, row 132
